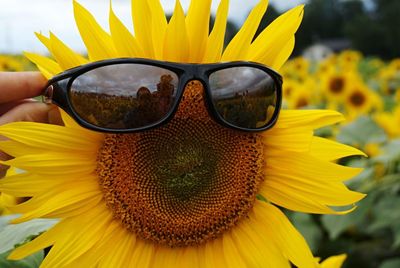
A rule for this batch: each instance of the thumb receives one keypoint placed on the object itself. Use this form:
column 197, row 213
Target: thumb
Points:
column 33, row 112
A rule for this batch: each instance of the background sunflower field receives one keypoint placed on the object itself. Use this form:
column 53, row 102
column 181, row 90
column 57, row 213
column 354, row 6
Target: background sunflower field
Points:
column 347, row 59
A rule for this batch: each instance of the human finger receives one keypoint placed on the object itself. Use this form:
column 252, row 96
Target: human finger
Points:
column 32, row 112
column 16, row 86
column 4, row 108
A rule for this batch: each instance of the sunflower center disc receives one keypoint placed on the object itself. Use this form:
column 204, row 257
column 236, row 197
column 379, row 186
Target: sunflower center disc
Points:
column 337, row 85
column 183, row 183
column 357, row 99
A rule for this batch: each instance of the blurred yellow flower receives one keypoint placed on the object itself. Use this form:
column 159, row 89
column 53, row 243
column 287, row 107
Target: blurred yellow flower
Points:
column 359, row 99
column 8, row 63
column 390, row 122
column 348, row 60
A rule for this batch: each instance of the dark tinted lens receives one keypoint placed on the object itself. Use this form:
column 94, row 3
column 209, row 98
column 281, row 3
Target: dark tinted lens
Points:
column 124, row 96
column 245, row 97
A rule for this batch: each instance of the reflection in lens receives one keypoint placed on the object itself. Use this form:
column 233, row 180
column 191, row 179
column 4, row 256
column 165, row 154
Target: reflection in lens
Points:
column 244, row 96
column 124, row 96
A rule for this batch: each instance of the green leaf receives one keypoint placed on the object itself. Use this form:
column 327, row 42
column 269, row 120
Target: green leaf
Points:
column 396, row 230
column 4, row 220
column 385, row 213
column 361, row 132
column 32, row 261
column 393, row 263
column 13, row 234
column 337, row 224
column 391, row 153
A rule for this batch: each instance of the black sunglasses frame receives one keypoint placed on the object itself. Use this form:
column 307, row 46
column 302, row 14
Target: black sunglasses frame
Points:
column 58, row 87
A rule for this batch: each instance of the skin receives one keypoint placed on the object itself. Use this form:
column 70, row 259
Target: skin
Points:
column 16, row 103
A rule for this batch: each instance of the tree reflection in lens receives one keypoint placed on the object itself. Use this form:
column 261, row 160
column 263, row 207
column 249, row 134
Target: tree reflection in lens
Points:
column 244, row 96
column 152, row 107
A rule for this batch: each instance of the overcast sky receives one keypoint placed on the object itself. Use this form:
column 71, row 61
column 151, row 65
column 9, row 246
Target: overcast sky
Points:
column 19, row 19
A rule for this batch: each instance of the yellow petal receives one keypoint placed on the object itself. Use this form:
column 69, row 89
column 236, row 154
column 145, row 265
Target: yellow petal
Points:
column 231, row 252
column 274, row 225
column 71, row 123
column 275, row 44
column 112, row 233
column 215, row 42
column 159, row 26
column 17, row 149
column 80, row 236
column 27, row 184
column 176, row 47
column 63, row 201
column 52, row 137
column 98, row 43
column 307, row 166
column 296, row 139
column 52, row 163
column 45, row 41
column 66, row 57
column 283, row 55
column 166, row 257
column 142, row 255
column 121, row 253
column 48, row 67
column 44, row 240
column 256, row 250
column 310, row 196
column 330, row 150
column 313, row 119
column 125, row 43
column 334, row 261
column 240, row 44
column 214, row 254
column 190, row 257
column 197, row 25
column 142, row 20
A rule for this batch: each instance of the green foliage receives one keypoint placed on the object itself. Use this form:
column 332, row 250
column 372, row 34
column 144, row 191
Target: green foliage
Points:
column 335, row 225
column 371, row 133
column 32, row 261
column 12, row 235
column 393, row 263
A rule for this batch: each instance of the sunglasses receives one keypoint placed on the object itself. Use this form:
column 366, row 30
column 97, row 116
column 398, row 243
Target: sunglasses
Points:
column 129, row 94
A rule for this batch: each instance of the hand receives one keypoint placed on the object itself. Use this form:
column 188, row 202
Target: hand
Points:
column 16, row 91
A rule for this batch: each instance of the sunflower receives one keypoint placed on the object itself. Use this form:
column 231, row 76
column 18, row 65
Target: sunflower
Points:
column 335, row 84
column 390, row 122
column 359, row 100
column 298, row 68
column 289, row 88
column 395, row 65
column 8, row 63
column 305, row 95
column 191, row 193
column 348, row 60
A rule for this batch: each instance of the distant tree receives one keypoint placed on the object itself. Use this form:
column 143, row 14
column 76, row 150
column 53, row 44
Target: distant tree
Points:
column 377, row 32
column 323, row 19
